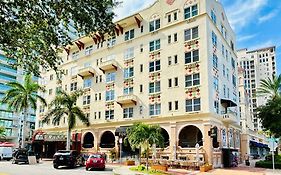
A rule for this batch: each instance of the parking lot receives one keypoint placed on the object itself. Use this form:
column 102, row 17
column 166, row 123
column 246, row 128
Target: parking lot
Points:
column 46, row 168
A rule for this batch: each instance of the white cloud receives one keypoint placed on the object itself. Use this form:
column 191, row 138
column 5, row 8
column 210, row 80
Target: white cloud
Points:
column 242, row 12
column 128, row 7
column 267, row 43
column 246, row 37
column 268, row 16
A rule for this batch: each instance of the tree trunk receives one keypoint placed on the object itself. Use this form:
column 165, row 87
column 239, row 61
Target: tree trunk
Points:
column 68, row 139
column 147, row 155
column 23, row 129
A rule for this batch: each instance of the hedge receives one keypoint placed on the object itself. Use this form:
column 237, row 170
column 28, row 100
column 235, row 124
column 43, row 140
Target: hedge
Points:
column 267, row 164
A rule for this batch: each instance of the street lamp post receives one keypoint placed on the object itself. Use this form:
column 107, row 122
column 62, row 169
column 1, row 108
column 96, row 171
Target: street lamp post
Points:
column 120, row 141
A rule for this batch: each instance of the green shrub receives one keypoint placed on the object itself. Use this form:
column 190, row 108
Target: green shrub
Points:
column 267, row 164
column 277, row 158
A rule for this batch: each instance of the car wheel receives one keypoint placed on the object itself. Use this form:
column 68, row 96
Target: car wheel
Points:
column 55, row 166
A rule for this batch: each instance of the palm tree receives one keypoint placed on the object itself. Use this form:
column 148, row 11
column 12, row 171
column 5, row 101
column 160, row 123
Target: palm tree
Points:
column 64, row 104
column 21, row 98
column 144, row 136
column 270, row 86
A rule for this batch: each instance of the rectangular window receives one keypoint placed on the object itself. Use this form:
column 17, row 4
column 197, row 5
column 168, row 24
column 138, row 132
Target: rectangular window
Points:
column 234, row 80
column 192, row 56
column 154, row 45
column 214, row 17
column 100, row 78
column 50, row 91
column 155, row 109
column 129, row 53
column 99, row 96
column 214, row 39
column 73, row 71
column 170, row 106
column 75, row 55
column 215, row 61
column 190, row 11
column 233, row 63
column 111, row 41
column 176, row 59
column 141, row 29
column 169, row 61
column 176, row 81
column 175, row 37
column 128, row 72
column 128, row 90
column 141, row 48
column 154, row 87
column 193, row 105
column 141, row 88
column 129, row 34
column 222, row 50
column 216, row 83
column 169, row 18
column 169, row 39
column 154, row 66
column 192, row 80
column 176, row 105
column 169, row 82
column 110, row 77
column 86, row 100
column 128, row 112
column 87, row 82
column 223, row 70
column 73, row 86
column 109, row 114
column 191, row 33
column 109, row 95
column 89, row 50
column 175, row 16
column 154, row 25
column 141, row 68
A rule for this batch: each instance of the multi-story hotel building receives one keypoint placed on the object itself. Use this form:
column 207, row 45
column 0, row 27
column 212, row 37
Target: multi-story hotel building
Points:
column 257, row 64
column 172, row 64
column 8, row 118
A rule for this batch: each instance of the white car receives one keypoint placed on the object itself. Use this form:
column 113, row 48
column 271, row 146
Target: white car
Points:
column 6, row 153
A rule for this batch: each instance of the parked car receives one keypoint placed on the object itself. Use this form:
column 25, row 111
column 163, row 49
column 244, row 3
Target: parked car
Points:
column 21, row 156
column 96, row 161
column 6, row 153
column 67, row 158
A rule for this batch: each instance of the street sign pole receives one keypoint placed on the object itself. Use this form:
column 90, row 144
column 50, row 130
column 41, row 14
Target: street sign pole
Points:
column 273, row 166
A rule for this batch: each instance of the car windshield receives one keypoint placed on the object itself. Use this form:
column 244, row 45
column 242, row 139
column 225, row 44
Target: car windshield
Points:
column 96, row 156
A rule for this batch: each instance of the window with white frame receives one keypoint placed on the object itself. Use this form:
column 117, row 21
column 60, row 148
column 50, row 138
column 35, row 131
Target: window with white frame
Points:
column 154, row 25
column 89, row 50
column 216, row 83
column 111, row 41
column 86, row 99
column 73, row 71
column 109, row 95
column 213, row 17
column 154, row 87
column 73, row 86
column 222, row 50
column 128, row 72
column 192, row 80
column 154, row 66
column 75, row 55
column 110, row 77
column 109, row 114
column 191, row 33
column 87, row 82
column 155, row 109
column 192, row 56
column 191, row 11
column 129, row 34
column 216, row 106
column 129, row 53
column 215, row 61
column 154, row 45
column 111, row 57
column 193, row 105
column 128, row 90
column 128, row 112
column 214, row 39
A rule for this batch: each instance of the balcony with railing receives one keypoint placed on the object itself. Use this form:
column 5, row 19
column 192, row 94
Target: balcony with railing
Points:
column 127, row 99
column 108, row 65
column 86, row 72
column 229, row 116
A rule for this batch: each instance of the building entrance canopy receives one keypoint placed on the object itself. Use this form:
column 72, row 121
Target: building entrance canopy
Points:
column 256, row 144
column 49, row 137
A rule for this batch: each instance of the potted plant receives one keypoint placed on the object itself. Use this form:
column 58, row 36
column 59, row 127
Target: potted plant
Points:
column 204, row 168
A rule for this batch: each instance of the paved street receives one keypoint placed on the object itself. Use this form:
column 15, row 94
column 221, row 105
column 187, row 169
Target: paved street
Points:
column 45, row 168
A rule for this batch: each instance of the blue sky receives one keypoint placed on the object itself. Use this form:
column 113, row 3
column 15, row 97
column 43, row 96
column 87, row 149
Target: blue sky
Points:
column 257, row 23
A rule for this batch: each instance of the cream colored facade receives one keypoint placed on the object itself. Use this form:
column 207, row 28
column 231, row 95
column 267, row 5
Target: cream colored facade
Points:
column 198, row 90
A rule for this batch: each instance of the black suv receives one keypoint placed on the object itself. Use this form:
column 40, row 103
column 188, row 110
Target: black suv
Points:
column 67, row 158
column 21, row 156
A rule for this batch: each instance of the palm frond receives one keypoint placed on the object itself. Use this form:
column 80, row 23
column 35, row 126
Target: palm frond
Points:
column 80, row 114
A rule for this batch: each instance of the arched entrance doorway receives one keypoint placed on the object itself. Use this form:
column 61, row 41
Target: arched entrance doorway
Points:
column 189, row 136
column 88, row 141
column 166, row 137
column 107, row 140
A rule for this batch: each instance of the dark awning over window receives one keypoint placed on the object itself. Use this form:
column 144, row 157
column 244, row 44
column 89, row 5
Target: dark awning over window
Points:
column 256, row 144
column 228, row 102
column 121, row 131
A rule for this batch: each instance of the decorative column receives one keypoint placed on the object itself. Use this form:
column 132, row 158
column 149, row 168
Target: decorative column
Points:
column 96, row 141
column 173, row 141
column 208, row 144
